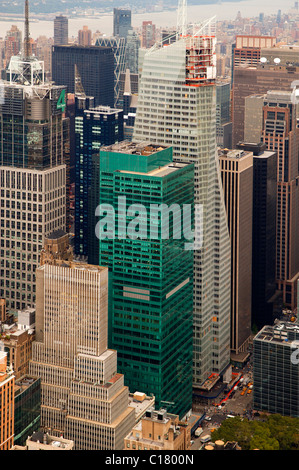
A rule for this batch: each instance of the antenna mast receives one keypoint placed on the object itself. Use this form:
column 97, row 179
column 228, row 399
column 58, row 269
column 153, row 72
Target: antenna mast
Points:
column 27, row 38
column 182, row 18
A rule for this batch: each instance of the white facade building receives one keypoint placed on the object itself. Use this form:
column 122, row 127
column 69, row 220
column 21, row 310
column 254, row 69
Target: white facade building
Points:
column 177, row 106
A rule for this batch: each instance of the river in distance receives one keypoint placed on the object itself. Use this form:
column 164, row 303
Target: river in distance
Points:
column 223, row 10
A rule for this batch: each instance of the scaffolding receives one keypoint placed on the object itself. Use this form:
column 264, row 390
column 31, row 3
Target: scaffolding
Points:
column 200, row 60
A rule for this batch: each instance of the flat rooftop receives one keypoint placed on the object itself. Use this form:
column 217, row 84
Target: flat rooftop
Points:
column 161, row 171
column 137, row 148
column 281, row 332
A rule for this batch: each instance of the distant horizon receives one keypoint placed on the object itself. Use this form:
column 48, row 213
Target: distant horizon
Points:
column 226, row 10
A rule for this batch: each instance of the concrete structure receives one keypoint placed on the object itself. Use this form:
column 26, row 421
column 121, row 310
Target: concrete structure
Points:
column 177, row 106
column 83, row 396
column 237, row 178
column 44, row 441
column 18, row 345
column 7, row 384
column 160, row 431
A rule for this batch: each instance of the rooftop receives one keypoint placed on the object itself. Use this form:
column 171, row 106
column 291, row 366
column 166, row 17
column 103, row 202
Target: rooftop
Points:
column 280, row 332
column 138, row 148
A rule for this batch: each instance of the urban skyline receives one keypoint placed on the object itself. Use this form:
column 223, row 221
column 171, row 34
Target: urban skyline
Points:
column 149, row 212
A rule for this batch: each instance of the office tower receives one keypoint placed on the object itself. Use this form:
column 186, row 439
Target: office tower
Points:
column 275, row 369
column 84, row 36
column 159, row 430
column 121, row 22
column 83, row 396
column 177, row 106
column 247, row 50
column 237, row 179
column 263, row 232
column 94, row 128
column 280, row 133
column 33, row 173
column 223, row 119
column 150, row 295
column 148, row 34
column 132, row 49
column 61, row 30
column 118, row 46
column 27, row 408
column 276, row 70
column 95, row 65
column 7, row 384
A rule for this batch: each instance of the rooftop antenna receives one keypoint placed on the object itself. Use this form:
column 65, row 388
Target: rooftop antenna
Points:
column 27, row 34
column 182, row 18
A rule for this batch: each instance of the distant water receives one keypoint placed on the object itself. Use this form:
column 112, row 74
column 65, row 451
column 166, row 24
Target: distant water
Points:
column 196, row 13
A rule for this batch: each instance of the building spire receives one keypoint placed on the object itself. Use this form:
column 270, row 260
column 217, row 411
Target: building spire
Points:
column 27, row 34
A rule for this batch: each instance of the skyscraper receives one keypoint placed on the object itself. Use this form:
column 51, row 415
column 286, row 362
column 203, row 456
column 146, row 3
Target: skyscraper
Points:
column 237, row 179
column 280, row 133
column 94, row 128
column 148, row 34
column 61, row 30
column 273, row 348
column 177, row 106
column 151, row 289
column 84, row 36
column 33, row 173
column 121, row 22
column 83, row 396
column 132, row 49
column 118, row 46
column 96, row 68
column 274, row 69
column 263, row 231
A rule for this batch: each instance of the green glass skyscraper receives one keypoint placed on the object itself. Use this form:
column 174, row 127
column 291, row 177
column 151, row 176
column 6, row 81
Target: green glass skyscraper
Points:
column 150, row 268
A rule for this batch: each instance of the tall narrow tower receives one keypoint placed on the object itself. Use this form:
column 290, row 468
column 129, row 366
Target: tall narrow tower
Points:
column 177, row 106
